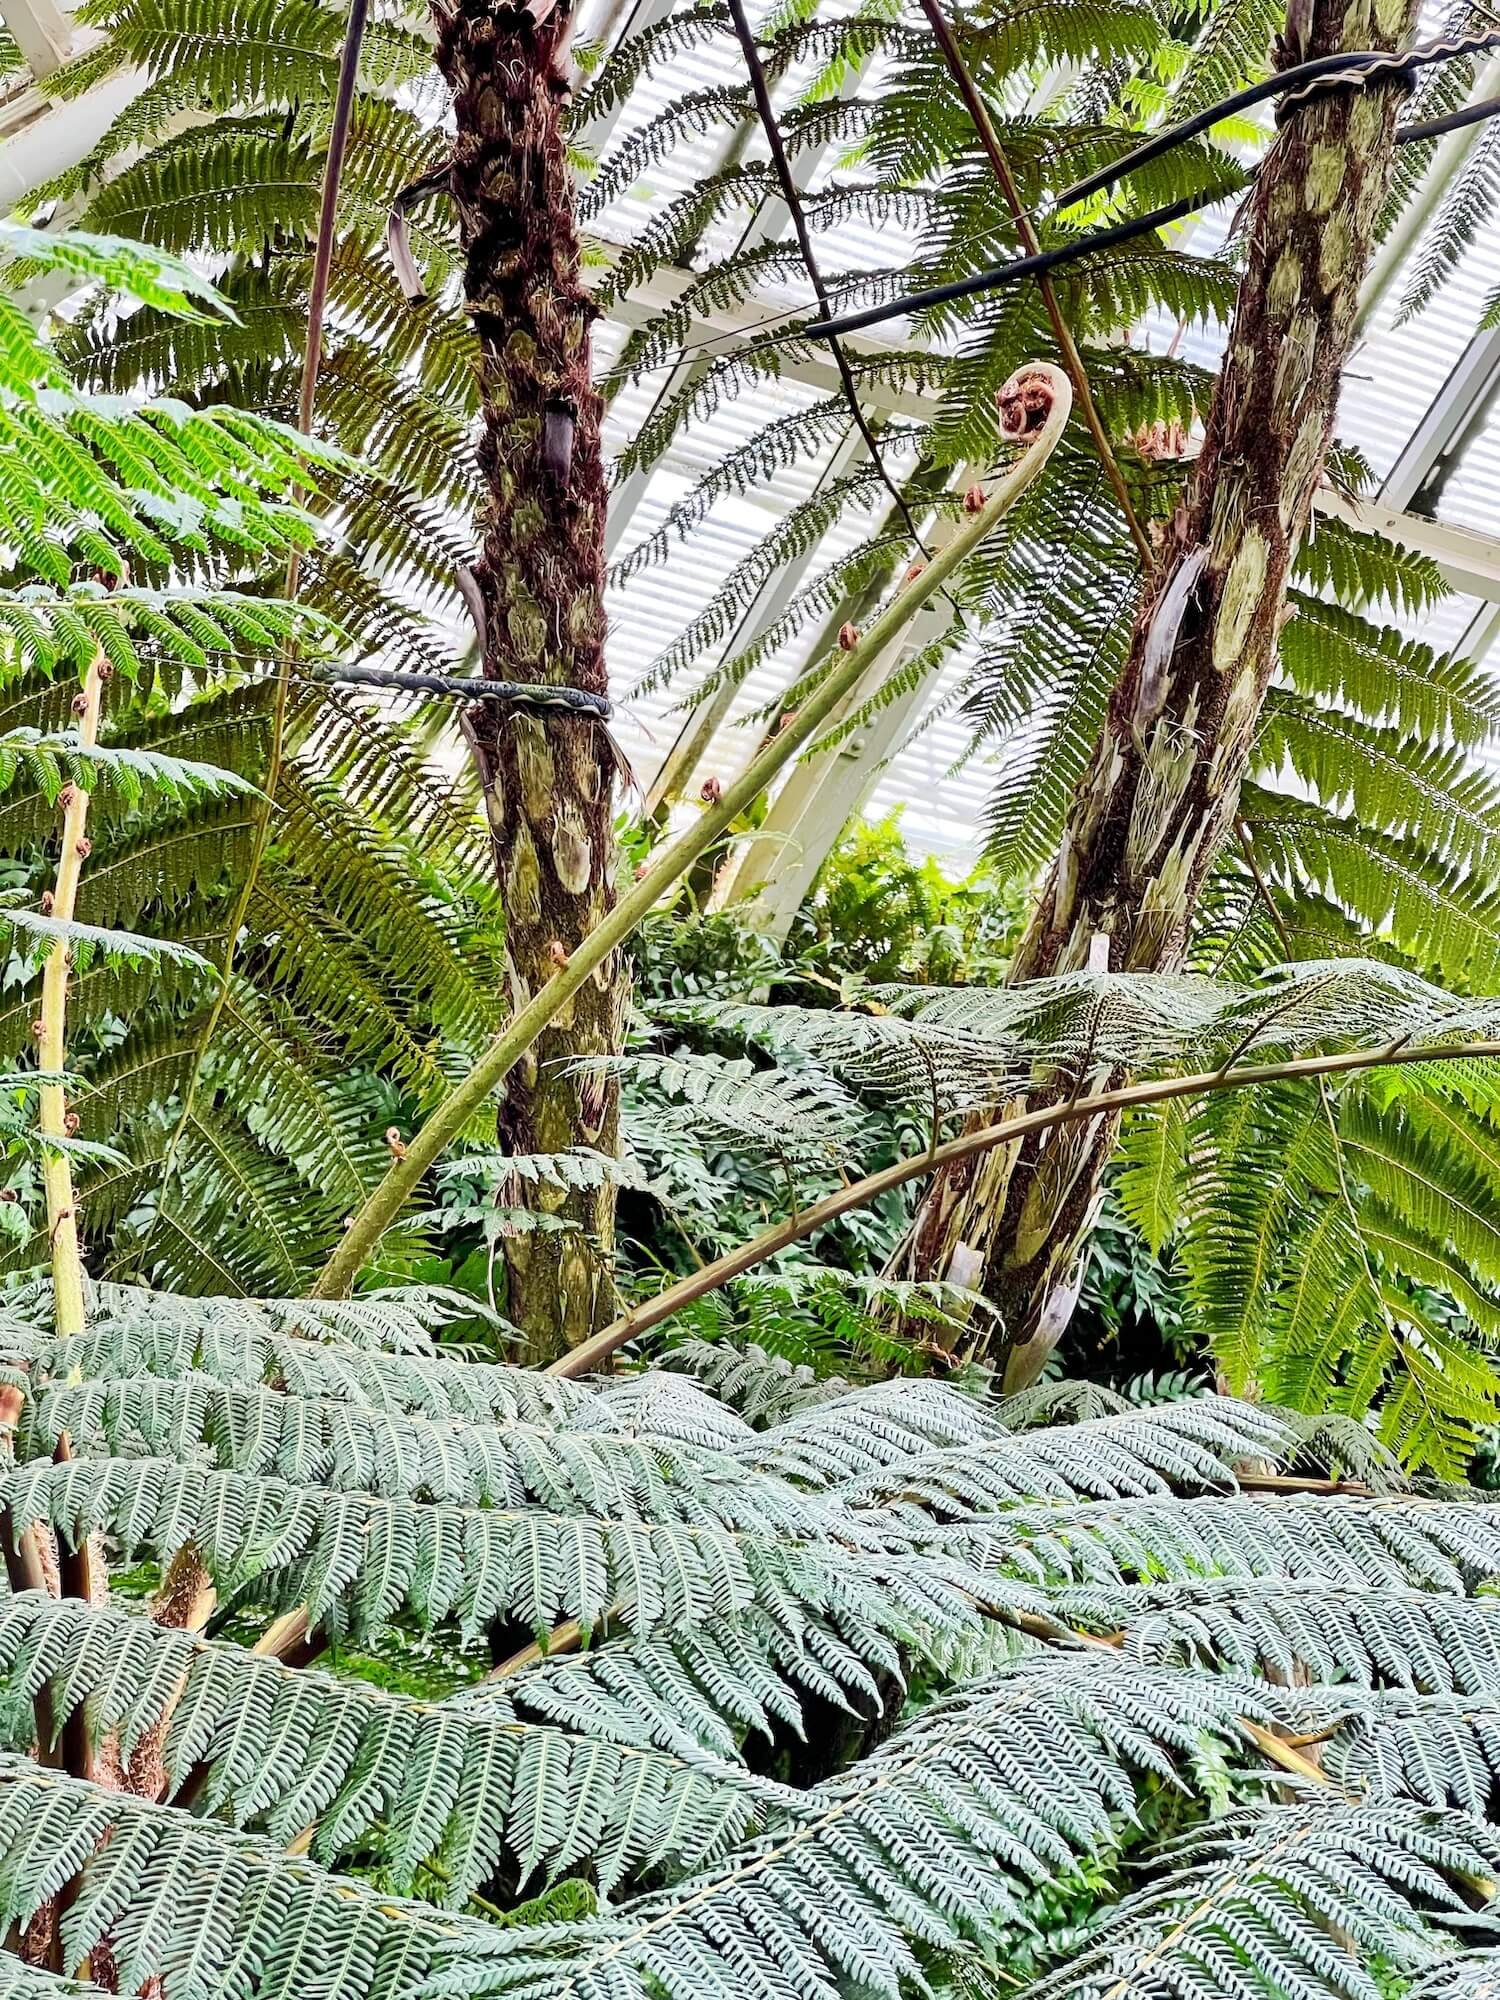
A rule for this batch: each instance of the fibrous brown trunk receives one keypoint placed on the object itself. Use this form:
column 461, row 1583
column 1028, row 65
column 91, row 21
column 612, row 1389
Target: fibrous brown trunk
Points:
column 540, row 576
column 1161, row 790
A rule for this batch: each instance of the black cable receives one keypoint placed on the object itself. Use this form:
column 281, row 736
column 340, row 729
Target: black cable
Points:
column 533, row 700
column 1434, row 128
column 1326, row 73
column 1347, row 67
column 1000, row 274
column 1296, row 86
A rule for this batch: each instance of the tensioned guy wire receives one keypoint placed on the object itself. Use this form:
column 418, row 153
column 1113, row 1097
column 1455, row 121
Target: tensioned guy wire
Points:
column 1000, row 274
column 1295, row 86
column 533, row 699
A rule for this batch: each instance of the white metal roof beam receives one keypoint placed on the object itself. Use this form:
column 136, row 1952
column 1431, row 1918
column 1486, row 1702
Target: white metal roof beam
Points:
column 1480, row 635
column 1469, row 561
column 674, row 775
column 1440, row 433
column 43, row 32
column 768, row 223
column 826, row 788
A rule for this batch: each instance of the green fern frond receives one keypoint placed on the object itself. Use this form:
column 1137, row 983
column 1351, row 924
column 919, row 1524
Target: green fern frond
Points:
column 1052, row 1402
column 716, row 1685
column 763, row 1388
column 638, row 53
column 1466, row 204
column 1422, row 1544
column 249, row 50
column 242, row 180
column 268, row 1433
column 1044, row 31
column 965, row 1044
column 1189, row 1447
column 1296, row 1897
column 182, row 1901
column 1386, row 677
column 1151, row 1184
column 868, row 1430
column 1441, row 917
column 1475, row 1976
column 1434, row 1168
column 788, row 439
column 354, row 1561
column 118, row 264
column 868, row 566
column 1372, row 1635
column 929, row 1843
column 1359, row 566
column 50, row 762
column 87, row 943
column 467, row 1785
column 403, row 1321
column 1430, row 795
column 800, row 1113
column 241, row 1343
column 1233, row 46
column 820, row 1315
column 1039, row 686
column 47, row 630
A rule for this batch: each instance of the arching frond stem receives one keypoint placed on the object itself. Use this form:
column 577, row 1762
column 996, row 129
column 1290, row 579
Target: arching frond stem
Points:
column 857, row 1193
column 52, row 1112
column 984, row 125
column 678, row 858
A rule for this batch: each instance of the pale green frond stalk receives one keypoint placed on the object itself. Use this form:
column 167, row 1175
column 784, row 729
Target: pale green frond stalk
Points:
column 52, row 1119
column 857, row 1194
column 675, row 861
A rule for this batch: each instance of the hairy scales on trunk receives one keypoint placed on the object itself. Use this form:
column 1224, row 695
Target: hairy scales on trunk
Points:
column 1160, row 792
column 540, row 582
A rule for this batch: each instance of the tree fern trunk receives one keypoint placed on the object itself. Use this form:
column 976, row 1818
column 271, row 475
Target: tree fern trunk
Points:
column 541, row 580
column 1161, row 790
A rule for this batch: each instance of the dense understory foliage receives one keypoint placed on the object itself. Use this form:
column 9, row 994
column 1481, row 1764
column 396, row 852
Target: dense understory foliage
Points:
column 144, row 532
column 372, row 946
column 339, row 1659
column 875, row 1680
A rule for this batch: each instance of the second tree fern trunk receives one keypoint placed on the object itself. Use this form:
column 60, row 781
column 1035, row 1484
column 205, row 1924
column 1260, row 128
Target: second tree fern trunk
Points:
column 1161, row 790
column 547, row 783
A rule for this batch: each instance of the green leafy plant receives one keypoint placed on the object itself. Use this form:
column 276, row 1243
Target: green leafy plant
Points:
column 369, row 968
column 1284, row 1181
column 829, row 1684
column 1369, row 817
column 875, row 913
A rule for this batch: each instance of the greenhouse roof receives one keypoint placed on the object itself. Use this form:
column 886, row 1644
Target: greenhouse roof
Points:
column 1420, row 403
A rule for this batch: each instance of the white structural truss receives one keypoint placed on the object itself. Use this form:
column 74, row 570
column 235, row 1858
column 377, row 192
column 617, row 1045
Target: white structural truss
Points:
column 43, row 33
column 1420, row 401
